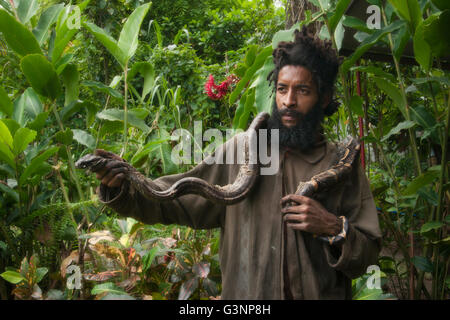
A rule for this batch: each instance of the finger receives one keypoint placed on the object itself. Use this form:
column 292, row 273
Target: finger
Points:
column 295, row 218
column 108, row 167
column 116, row 181
column 296, row 198
column 101, row 173
column 112, row 173
column 107, row 154
column 296, row 209
column 299, row 226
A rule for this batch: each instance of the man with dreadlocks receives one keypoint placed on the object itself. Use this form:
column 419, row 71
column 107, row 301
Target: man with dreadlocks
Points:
column 258, row 260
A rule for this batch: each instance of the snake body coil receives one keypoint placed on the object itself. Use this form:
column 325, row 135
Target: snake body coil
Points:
column 229, row 194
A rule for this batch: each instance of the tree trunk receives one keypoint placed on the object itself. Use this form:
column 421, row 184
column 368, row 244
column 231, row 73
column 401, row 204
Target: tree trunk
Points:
column 295, row 12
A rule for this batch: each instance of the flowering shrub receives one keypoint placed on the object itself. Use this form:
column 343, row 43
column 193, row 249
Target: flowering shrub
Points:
column 217, row 92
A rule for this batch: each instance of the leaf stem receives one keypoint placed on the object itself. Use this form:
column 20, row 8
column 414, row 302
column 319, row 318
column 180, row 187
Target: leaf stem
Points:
column 125, row 112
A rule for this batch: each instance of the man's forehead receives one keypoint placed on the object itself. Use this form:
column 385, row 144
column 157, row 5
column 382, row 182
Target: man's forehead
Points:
column 295, row 74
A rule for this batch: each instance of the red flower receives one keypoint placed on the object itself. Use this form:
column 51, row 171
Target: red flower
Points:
column 217, row 92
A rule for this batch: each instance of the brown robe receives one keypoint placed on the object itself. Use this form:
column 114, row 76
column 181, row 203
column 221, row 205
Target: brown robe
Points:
column 251, row 245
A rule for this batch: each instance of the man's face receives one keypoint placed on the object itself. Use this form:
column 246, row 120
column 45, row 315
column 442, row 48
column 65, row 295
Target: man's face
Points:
column 296, row 91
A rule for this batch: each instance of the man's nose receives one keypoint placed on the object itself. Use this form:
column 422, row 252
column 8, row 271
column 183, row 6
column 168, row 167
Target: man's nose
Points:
column 289, row 101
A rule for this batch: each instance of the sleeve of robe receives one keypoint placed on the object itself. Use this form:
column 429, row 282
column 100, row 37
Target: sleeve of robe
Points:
column 363, row 243
column 188, row 210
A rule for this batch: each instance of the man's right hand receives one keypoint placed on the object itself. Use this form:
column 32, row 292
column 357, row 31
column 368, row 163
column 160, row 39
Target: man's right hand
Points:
column 114, row 172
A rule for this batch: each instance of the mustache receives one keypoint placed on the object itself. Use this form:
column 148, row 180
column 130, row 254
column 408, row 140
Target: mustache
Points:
column 290, row 113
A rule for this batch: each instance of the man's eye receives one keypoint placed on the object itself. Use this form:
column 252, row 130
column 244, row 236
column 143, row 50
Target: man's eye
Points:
column 303, row 91
column 281, row 89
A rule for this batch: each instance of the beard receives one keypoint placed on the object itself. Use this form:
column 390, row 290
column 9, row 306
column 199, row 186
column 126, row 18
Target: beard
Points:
column 303, row 135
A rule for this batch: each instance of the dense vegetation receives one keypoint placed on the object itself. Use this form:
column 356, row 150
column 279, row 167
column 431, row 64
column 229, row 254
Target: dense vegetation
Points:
column 123, row 75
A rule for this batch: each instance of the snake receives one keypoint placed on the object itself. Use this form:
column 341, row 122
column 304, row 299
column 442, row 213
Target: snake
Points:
column 247, row 175
column 228, row 194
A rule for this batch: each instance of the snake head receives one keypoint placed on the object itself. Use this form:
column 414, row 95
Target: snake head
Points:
column 90, row 162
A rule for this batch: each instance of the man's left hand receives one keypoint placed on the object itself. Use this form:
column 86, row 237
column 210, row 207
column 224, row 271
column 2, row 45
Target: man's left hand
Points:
column 309, row 215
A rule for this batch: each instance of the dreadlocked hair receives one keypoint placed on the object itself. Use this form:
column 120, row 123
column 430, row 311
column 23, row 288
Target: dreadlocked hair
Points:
column 314, row 54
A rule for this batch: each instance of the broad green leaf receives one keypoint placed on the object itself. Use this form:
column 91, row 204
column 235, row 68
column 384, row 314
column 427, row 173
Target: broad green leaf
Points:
column 421, row 181
column 368, row 43
column 393, row 92
column 39, row 122
column 324, row 4
column 248, row 107
column 399, row 127
column 115, row 81
column 6, row 105
column 6, row 155
column 340, row 8
column 164, row 152
column 432, row 225
column 65, row 30
column 239, row 110
column 47, row 18
column 356, row 104
column 118, row 115
column 12, row 125
column 41, row 75
column 22, row 138
column 436, row 33
column 107, row 287
column 64, row 136
column 128, row 39
column 6, row 5
column 263, row 90
column 146, row 150
column 339, row 33
column 157, row 31
column 36, row 163
column 422, row 263
column 148, row 258
column 429, row 195
column 61, row 64
column 5, row 135
column 108, row 42
column 71, row 77
column 251, row 55
column 374, row 71
column 355, row 23
column 12, row 277
column 27, row 9
column 259, row 62
column 84, row 138
column 7, row 190
column 422, row 50
column 18, row 37
column 98, row 86
column 408, row 10
column 284, row 35
column 442, row 4
column 400, row 40
column 147, row 71
column 40, row 273
column 27, row 107
column 78, row 105
column 427, row 121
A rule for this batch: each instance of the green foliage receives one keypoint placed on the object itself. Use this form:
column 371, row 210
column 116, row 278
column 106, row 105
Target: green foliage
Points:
column 63, row 95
